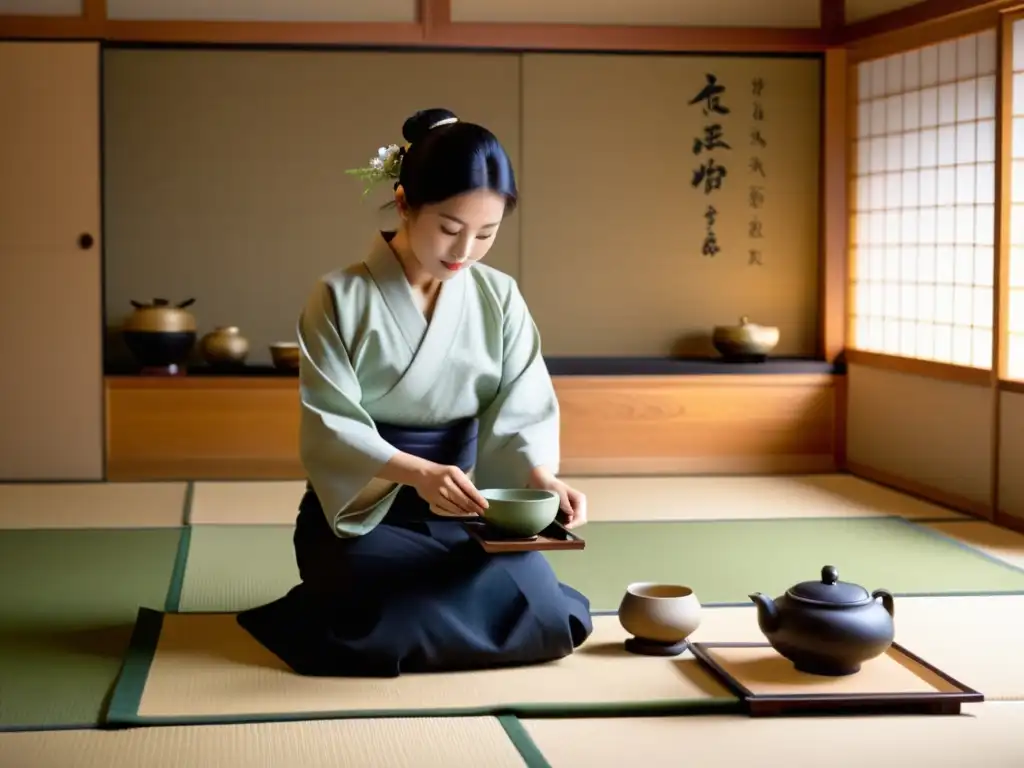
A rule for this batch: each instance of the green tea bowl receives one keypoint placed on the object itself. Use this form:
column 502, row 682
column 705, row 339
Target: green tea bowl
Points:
column 520, row 512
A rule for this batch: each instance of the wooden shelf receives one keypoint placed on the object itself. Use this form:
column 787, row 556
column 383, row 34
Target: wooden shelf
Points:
column 577, row 366
column 247, row 427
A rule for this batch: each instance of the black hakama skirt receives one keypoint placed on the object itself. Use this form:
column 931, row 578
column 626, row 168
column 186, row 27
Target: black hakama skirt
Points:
column 416, row 593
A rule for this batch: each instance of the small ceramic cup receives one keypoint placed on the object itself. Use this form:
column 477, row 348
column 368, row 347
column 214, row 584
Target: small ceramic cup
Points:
column 285, row 354
column 659, row 614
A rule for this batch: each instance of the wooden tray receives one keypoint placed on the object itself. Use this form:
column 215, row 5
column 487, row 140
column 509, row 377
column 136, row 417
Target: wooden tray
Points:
column 555, row 536
column 897, row 682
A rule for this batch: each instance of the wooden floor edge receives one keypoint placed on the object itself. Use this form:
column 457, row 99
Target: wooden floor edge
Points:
column 561, row 381
column 688, row 466
column 921, row 491
column 213, row 469
column 1010, row 522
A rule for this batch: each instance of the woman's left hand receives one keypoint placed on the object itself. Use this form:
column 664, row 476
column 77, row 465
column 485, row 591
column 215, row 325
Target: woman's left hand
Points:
column 573, row 503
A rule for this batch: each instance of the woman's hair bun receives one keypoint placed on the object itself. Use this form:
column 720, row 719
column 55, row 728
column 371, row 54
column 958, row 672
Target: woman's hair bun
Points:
column 420, row 124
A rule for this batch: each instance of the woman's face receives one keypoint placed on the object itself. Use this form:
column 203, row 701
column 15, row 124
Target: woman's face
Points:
column 449, row 236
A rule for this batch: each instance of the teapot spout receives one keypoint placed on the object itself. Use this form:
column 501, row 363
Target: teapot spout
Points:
column 767, row 613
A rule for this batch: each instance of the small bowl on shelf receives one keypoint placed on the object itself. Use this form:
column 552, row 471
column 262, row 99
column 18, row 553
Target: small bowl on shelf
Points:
column 285, row 355
column 746, row 342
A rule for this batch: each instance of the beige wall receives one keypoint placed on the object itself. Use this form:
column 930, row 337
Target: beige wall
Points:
column 613, row 227
column 225, row 182
column 41, row 7
column 935, row 434
column 225, row 170
column 1011, row 455
column 859, row 10
column 936, row 438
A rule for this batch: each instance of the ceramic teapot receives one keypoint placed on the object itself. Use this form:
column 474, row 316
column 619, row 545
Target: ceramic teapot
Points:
column 827, row 627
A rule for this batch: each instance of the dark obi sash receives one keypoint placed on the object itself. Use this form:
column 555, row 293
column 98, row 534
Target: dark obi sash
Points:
column 416, row 594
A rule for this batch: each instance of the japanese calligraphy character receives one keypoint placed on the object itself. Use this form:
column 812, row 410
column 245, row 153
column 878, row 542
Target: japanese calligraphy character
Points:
column 711, row 95
column 712, row 139
column 711, row 175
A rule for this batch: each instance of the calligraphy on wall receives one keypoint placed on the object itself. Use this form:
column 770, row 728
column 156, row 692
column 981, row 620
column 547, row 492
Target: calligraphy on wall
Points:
column 756, row 197
column 713, row 147
column 711, row 174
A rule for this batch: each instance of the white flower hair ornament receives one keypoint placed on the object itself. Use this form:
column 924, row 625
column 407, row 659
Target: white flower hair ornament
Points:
column 387, row 163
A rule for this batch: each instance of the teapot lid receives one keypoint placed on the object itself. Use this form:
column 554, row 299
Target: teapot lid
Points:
column 829, row 590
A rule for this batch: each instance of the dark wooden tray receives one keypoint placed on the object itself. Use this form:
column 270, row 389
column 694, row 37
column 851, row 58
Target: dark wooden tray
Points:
column 760, row 677
column 555, row 536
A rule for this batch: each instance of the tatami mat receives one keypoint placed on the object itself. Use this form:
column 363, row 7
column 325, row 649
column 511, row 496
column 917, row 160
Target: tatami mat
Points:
column 394, row 743
column 977, row 640
column 206, row 668
column 233, row 567
column 246, row 503
column 997, row 542
column 986, row 735
column 68, row 603
column 624, row 498
column 724, row 560
column 92, row 505
column 742, row 498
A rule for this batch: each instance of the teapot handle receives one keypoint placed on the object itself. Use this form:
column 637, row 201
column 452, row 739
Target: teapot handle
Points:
column 887, row 601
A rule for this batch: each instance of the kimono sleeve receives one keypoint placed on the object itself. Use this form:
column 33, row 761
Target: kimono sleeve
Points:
column 340, row 447
column 519, row 430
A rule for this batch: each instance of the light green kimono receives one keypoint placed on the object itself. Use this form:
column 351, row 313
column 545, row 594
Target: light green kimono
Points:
column 367, row 354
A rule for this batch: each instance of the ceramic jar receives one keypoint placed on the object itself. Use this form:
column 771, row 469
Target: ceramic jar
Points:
column 160, row 335
column 224, row 346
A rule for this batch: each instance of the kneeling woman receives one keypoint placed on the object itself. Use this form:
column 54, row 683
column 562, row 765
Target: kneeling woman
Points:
column 420, row 366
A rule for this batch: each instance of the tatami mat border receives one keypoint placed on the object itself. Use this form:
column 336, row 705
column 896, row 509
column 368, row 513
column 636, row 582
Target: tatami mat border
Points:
column 922, row 525
column 173, row 601
column 190, row 494
column 523, row 742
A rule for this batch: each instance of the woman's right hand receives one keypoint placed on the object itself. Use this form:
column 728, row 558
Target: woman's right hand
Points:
column 450, row 492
